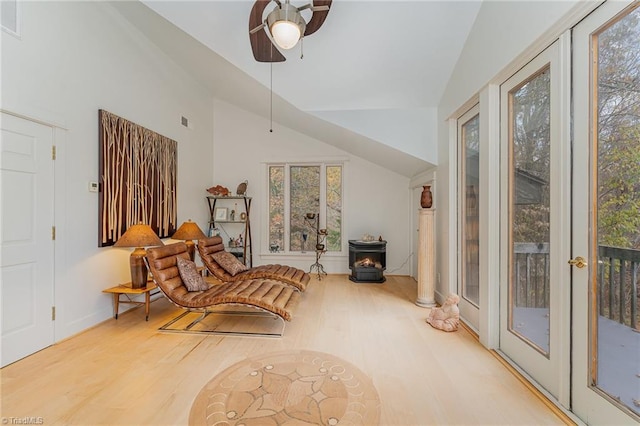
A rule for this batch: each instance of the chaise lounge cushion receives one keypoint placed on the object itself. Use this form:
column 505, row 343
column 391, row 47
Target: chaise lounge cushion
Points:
column 269, row 295
column 190, row 276
column 207, row 247
column 229, row 262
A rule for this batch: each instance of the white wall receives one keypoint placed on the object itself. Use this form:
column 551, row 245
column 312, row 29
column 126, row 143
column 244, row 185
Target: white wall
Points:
column 502, row 31
column 376, row 200
column 74, row 58
column 410, row 130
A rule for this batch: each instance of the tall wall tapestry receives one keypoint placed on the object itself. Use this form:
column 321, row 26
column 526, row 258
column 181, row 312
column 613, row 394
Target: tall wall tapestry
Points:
column 137, row 179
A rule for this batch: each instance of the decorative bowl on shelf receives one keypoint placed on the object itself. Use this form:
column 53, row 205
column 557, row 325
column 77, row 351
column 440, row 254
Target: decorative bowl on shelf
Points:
column 319, row 247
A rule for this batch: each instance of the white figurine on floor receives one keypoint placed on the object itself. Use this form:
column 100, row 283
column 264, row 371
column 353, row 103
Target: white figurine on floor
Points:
column 447, row 316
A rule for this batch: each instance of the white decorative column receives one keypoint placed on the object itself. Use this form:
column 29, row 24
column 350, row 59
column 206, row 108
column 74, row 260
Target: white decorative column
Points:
column 426, row 259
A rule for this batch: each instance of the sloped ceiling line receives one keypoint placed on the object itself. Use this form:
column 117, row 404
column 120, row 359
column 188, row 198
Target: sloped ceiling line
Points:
column 349, row 77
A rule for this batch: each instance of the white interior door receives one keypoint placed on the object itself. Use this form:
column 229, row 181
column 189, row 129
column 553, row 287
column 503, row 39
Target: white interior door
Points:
column 534, row 284
column 26, row 244
column 606, row 215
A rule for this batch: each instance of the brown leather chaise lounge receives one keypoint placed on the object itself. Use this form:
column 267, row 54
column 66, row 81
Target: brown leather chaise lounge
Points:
column 272, row 297
column 207, row 247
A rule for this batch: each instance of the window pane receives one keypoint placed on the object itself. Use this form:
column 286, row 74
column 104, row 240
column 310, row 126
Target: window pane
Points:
column 305, row 198
column 471, row 263
column 530, row 140
column 9, row 15
column 276, row 208
column 334, row 208
column 616, row 300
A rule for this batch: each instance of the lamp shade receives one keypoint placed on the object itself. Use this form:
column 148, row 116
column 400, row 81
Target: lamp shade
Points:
column 286, row 25
column 139, row 236
column 189, row 231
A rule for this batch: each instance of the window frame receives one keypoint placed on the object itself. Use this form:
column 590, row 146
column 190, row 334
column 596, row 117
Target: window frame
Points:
column 17, row 33
column 287, row 165
column 461, row 193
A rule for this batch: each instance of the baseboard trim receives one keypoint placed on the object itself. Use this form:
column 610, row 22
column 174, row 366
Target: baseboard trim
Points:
column 471, row 330
column 558, row 411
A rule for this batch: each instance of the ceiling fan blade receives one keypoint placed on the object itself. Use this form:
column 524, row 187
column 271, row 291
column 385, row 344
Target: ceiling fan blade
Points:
column 262, row 47
column 318, row 17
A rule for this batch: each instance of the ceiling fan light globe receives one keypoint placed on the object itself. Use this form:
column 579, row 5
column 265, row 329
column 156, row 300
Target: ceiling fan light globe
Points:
column 286, row 34
column 286, row 25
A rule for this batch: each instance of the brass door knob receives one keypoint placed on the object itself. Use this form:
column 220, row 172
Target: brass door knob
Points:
column 579, row 261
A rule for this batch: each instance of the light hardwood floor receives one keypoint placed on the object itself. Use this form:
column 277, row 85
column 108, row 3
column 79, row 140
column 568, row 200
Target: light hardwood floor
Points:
column 125, row 372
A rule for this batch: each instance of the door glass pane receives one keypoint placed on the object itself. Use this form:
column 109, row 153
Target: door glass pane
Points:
column 616, row 335
column 529, row 135
column 276, row 208
column 334, row 208
column 470, row 245
column 305, row 198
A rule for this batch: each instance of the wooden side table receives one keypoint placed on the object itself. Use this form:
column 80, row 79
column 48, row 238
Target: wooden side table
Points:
column 128, row 291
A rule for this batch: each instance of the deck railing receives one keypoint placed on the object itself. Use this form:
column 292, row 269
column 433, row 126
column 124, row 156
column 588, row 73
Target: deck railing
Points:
column 531, row 274
column 619, row 276
column 619, row 270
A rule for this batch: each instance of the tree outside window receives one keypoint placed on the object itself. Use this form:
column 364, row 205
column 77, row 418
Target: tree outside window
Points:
column 296, row 190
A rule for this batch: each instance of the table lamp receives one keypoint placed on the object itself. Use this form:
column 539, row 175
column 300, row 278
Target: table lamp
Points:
column 138, row 236
column 188, row 232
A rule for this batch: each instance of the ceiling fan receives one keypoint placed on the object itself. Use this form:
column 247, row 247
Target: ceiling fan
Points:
column 285, row 24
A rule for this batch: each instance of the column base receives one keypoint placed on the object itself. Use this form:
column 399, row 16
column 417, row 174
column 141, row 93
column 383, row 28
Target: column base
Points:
column 426, row 303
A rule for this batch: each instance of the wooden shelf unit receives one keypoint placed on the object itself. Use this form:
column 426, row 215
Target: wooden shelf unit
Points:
column 246, row 251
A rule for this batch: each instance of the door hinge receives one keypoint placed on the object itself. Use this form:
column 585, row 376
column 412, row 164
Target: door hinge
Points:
column 53, row 313
column 53, row 152
column 53, row 233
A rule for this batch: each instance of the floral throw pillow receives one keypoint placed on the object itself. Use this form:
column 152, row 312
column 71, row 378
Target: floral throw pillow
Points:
column 229, row 262
column 190, row 275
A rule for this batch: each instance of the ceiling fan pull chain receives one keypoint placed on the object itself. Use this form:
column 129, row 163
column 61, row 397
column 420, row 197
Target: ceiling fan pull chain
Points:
column 301, row 47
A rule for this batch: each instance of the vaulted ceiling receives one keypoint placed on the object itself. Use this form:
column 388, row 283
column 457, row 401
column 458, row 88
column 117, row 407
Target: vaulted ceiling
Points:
column 370, row 80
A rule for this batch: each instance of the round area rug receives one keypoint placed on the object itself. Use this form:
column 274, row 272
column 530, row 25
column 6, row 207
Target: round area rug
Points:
column 286, row 388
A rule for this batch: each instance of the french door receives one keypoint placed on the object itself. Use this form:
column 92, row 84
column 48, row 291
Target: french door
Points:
column 606, row 215
column 535, row 283
column 570, row 217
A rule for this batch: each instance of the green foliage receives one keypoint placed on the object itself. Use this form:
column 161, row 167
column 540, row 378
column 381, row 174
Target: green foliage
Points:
column 276, row 206
column 618, row 145
column 619, row 189
column 531, row 118
column 618, row 96
column 334, row 208
column 304, row 197
column 304, row 190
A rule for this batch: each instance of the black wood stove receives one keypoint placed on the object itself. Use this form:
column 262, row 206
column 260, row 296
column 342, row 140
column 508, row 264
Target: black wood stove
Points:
column 367, row 261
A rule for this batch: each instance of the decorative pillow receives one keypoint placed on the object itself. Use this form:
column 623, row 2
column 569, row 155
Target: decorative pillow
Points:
column 229, row 262
column 190, row 275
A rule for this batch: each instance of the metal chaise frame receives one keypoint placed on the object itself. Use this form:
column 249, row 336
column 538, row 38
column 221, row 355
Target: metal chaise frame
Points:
column 263, row 313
